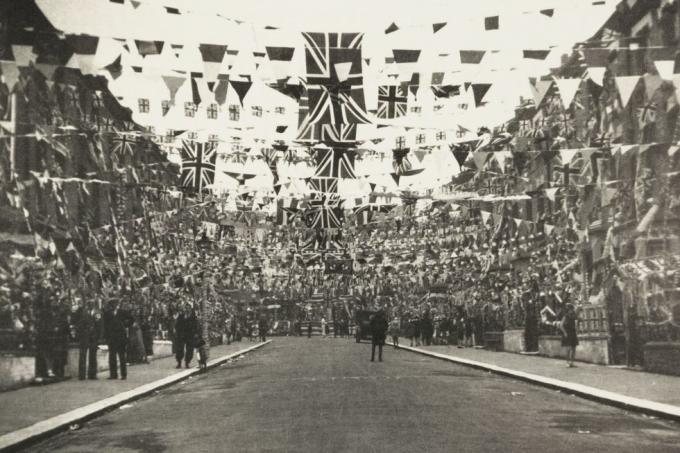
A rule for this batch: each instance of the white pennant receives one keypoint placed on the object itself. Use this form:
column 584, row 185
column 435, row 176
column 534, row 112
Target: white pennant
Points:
column 551, row 192
column 596, row 74
column 567, row 155
column 665, row 68
column 501, row 156
column 626, row 85
column 343, row 69
column 568, row 89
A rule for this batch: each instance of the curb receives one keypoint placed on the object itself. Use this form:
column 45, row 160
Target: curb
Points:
column 660, row 410
column 39, row 431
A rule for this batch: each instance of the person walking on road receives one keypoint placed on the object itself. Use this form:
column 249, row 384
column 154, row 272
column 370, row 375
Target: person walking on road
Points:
column 378, row 326
column 569, row 335
column 186, row 329
column 116, row 323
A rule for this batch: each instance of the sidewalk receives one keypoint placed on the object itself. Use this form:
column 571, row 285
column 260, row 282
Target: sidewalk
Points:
column 635, row 390
column 45, row 409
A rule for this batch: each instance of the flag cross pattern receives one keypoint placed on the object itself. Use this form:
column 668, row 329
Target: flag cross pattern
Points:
column 392, row 101
column 198, row 164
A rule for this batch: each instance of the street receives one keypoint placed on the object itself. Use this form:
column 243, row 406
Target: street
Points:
column 323, row 394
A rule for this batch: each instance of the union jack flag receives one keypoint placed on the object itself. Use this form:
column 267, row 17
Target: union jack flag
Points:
column 270, row 157
column 335, row 135
column 286, row 211
column 364, row 213
column 334, row 78
column 123, row 145
column 198, row 164
column 323, row 185
column 325, row 212
column 244, row 208
column 335, row 163
column 392, row 101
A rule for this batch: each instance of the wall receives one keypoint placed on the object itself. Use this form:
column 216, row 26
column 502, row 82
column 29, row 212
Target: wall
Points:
column 16, row 370
column 513, row 340
column 662, row 357
column 591, row 349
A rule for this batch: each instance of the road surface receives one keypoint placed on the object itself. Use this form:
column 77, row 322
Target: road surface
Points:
column 324, row 395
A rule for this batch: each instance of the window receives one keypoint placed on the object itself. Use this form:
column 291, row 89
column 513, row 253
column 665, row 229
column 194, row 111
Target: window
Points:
column 165, row 107
column 236, row 144
column 460, row 133
column 169, row 136
column 192, row 135
column 97, row 102
column 420, row 139
column 400, row 142
column 280, row 110
column 416, row 109
column 257, row 111
column 234, row 112
column 151, row 130
column 212, row 112
column 213, row 138
column 441, row 135
column 438, row 107
column 189, row 109
column 143, row 105
column 463, row 106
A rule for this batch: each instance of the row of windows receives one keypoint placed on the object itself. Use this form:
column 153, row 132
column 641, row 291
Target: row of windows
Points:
column 436, row 108
column 190, row 109
column 400, row 142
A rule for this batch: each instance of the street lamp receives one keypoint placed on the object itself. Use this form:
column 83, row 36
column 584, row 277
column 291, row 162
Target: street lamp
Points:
column 203, row 244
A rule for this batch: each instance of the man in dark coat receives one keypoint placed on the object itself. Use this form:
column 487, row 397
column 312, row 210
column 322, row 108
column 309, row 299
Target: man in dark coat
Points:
column 262, row 328
column 378, row 326
column 116, row 323
column 88, row 330
column 186, row 330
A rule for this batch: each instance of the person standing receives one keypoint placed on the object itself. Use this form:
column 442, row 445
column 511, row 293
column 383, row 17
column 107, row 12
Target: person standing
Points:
column 378, row 326
column 88, row 329
column 116, row 322
column 569, row 333
column 263, row 327
column 186, row 329
column 394, row 330
column 323, row 326
column 309, row 329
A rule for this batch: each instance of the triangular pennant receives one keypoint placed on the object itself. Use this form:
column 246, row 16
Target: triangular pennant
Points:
column 241, row 87
column 549, row 229
column 533, row 54
column 471, row 56
column 479, row 90
column 173, row 83
column 626, row 86
column 220, row 91
column 343, row 70
column 485, row 216
column 551, row 192
column 195, row 94
column 501, row 156
column 596, row 74
column 395, row 177
column 540, row 89
column 392, row 28
column 491, row 23
column 438, row 26
column 480, row 158
column 372, row 185
column 568, row 89
column 665, row 68
column 548, row 12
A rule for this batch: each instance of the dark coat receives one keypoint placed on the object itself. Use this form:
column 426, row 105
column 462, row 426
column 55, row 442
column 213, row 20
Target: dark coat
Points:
column 116, row 326
column 88, row 327
column 379, row 327
column 186, row 328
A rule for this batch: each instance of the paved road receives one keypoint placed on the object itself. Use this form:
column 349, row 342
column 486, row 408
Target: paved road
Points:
column 300, row 395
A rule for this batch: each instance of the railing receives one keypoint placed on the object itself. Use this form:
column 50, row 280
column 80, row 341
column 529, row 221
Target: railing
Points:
column 593, row 320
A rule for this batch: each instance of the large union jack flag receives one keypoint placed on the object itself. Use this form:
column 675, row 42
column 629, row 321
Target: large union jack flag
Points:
column 198, row 164
column 335, row 163
column 334, row 78
column 392, row 101
column 320, row 186
column 325, row 208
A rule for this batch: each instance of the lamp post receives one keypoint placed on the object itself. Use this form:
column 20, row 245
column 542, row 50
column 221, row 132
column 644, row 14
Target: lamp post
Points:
column 203, row 244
